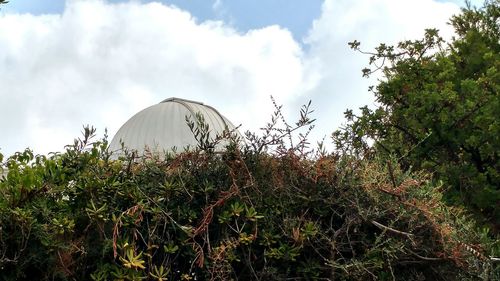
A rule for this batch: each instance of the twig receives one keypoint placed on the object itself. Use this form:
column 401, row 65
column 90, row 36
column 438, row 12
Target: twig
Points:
column 379, row 225
column 424, row 258
column 391, row 173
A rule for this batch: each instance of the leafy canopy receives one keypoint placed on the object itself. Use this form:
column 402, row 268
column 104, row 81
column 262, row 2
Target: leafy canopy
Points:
column 438, row 108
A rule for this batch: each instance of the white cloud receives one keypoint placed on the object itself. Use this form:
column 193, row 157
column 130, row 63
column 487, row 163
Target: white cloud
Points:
column 99, row 63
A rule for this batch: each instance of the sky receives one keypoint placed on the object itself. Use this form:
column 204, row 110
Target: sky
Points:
column 67, row 63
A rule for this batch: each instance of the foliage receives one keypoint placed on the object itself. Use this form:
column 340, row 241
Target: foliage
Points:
column 438, row 109
column 270, row 210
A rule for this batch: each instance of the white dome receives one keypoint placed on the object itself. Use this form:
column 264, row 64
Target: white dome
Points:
column 163, row 126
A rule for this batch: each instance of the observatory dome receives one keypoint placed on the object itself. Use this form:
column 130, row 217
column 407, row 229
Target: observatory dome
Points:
column 163, row 126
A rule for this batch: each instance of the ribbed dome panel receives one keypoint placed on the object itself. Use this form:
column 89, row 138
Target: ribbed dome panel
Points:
column 163, row 126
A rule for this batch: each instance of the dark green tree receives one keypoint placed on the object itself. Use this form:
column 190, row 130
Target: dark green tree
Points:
column 439, row 108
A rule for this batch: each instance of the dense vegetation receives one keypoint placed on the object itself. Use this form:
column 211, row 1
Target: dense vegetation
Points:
column 271, row 208
column 439, row 108
column 244, row 214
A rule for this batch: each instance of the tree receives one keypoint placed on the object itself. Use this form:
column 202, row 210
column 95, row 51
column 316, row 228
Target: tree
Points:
column 439, row 107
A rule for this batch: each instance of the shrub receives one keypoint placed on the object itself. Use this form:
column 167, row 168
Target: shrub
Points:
column 243, row 214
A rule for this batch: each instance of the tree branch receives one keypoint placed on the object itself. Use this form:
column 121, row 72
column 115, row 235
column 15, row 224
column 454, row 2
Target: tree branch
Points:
column 381, row 226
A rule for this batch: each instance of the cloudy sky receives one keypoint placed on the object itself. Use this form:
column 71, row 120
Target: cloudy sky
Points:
column 68, row 63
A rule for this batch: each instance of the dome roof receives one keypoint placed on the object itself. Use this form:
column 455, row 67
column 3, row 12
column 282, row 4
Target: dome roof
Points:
column 163, row 126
